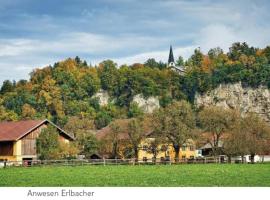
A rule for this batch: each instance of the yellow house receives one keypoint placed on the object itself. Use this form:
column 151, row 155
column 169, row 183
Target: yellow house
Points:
column 18, row 139
column 165, row 151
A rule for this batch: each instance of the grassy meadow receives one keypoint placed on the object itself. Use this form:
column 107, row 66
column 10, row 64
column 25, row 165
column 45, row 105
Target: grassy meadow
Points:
column 145, row 176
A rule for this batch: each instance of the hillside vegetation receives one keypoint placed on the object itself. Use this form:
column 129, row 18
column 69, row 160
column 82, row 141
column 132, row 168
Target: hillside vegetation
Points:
column 64, row 91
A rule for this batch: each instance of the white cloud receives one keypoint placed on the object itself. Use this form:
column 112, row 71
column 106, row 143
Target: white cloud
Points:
column 220, row 35
column 77, row 42
column 216, row 35
column 157, row 55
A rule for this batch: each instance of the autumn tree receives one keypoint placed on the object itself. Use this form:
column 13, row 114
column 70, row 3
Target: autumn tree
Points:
column 28, row 112
column 257, row 132
column 177, row 123
column 136, row 134
column 114, row 139
column 215, row 122
column 82, row 129
column 235, row 143
column 7, row 115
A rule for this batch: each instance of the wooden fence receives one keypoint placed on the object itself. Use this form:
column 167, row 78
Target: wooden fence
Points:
column 83, row 162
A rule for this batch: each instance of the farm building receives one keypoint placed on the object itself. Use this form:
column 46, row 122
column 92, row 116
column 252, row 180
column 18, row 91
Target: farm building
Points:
column 207, row 152
column 165, row 151
column 18, row 139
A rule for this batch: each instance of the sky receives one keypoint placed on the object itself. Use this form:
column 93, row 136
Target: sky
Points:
column 36, row 33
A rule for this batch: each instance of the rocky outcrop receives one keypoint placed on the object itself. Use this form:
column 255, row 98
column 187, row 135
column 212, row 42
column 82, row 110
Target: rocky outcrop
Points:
column 147, row 105
column 103, row 97
column 236, row 96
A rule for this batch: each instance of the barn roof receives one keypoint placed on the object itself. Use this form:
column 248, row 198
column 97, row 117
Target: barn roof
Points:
column 13, row 131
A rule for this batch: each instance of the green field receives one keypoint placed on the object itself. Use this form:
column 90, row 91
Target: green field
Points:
column 159, row 175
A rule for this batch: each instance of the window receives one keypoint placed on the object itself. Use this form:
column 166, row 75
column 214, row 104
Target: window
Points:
column 145, row 147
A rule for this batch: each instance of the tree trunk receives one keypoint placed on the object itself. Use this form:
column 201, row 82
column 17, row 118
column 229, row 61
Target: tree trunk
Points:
column 154, row 157
column 177, row 150
column 229, row 159
column 115, row 146
column 136, row 152
column 252, row 156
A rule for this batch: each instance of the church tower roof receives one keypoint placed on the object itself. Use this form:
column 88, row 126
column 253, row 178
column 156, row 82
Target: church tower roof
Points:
column 171, row 58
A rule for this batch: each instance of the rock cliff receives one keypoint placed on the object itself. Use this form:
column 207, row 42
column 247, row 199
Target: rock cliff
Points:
column 103, row 97
column 238, row 97
column 147, row 105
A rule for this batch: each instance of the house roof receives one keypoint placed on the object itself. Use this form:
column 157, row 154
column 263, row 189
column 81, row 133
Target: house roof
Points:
column 123, row 134
column 13, row 131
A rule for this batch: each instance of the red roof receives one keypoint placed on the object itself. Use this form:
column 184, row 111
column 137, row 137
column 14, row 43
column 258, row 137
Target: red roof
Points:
column 13, row 131
column 123, row 135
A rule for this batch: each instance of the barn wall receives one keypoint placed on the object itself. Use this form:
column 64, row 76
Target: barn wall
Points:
column 28, row 143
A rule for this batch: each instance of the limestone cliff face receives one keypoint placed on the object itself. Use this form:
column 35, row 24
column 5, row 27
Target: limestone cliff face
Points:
column 235, row 96
column 147, row 105
column 103, row 97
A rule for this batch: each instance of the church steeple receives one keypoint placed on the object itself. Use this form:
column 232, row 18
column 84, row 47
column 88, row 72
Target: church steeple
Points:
column 171, row 58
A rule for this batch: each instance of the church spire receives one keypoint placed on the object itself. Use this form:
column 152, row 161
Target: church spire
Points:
column 171, row 58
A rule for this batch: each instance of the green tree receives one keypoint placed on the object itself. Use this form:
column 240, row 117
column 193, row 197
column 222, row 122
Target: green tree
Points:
column 88, row 144
column 48, row 145
column 134, row 110
column 215, row 52
column 180, row 61
column 176, row 122
column 7, row 86
column 196, row 59
column 102, row 119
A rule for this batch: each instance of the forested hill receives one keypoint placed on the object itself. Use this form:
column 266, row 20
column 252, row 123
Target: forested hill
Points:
column 64, row 91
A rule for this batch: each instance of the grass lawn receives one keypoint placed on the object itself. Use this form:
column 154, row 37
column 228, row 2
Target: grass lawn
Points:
column 159, row 175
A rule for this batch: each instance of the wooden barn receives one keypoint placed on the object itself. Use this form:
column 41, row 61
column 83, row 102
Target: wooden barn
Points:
column 18, row 139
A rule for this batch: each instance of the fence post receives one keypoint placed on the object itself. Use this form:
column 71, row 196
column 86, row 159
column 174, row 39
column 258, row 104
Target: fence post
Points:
column 104, row 162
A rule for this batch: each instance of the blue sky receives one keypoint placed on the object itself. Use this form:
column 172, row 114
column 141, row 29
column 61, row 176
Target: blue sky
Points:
column 35, row 33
